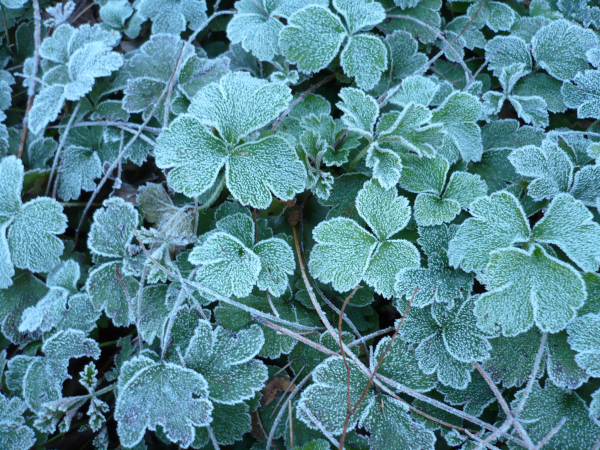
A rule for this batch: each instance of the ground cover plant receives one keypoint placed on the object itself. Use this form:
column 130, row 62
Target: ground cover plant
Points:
column 300, row 224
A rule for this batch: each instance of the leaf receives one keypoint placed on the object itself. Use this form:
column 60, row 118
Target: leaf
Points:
column 586, row 185
column 46, row 106
column 544, row 86
column 584, row 94
column 277, row 263
column 226, row 361
column 415, row 89
column 458, row 113
column 14, row 433
column 360, row 14
column 496, row 15
column 498, row 221
column 560, row 48
column 326, row 398
column 475, row 398
column 569, row 225
column 532, row 109
column 545, row 407
column 549, row 165
column 562, row 366
column 11, row 185
column 431, row 210
column 174, row 397
column 230, row 423
column 343, row 196
column 81, row 166
column 465, row 188
column 46, row 314
column 504, row 51
column 172, row 16
column 421, row 174
column 113, row 228
column 360, row 110
column 583, row 339
column 365, row 58
column 511, row 359
column 391, row 426
column 548, row 294
column 32, row 237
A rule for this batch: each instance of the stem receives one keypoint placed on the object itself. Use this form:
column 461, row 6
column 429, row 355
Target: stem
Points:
column 532, row 376
column 552, row 432
column 358, row 157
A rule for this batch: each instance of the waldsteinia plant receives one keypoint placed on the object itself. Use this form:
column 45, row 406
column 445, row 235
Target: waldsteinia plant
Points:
column 300, row 224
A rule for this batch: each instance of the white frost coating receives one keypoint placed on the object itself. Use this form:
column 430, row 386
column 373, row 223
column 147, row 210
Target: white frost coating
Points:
column 172, row 16
column 583, row 338
column 415, row 89
column 113, row 228
column 584, row 94
column 360, row 110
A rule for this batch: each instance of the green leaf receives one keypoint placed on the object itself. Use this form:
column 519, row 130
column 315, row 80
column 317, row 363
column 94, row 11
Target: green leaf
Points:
column 498, row 221
column 229, row 423
column 343, row 196
column 14, row 433
column 174, row 397
column 545, row 407
column 360, row 110
column 532, row 109
column 571, row 226
column 544, row 86
column 226, row 361
column 299, row 45
column 360, row 14
column 431, row 210
column 465, row 188
column 11, row 185
column 550, row 167
column 562, row 365
column 583, row 339
column 420, row 174
column 560, row 48
column 113, row 228
column 277, row 263
column 584, row 94
column 365, row 58
column 389, row 422
column 475, row 398
column 586, row 185
column 415, row 89
column 172, row 16
column 548, row 294
column 504, row 51
column 458, row 113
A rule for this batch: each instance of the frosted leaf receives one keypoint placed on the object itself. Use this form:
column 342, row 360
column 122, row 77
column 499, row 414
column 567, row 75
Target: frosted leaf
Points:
column 113, row 228
column 496, row 15
column 297, row 38
column 230, row 423
column 46, row 106
column 570, row 225
column 342, row 253
column 465, row 187
column 200, row 72
column 475, row 398
column 172, row 16
column 6, row 267
column 155, row 202
column 549, row 165
column 410, row 130
column 458, row 113
column 11, row 185
column 80, row 314
column 360, row 14
column 560, row 48
column 562, row 365
column 319, row 444
column 343, row 196
column 504, row 51
column 532, row 109
column 25, row 292
column 415, row 89
column 111, row 290
column 46, row 314
column 115, row 13
column 543, row 410
column 228, row 266
column 385, row 212
column 432, row 210
column 586, row 185
column 154, row 308
column 277, row 263
column 583, row 339
column 386, row 165
column 312, row 151
column 360, row 110
column 584, row 95
column 326, row 398
column 391, row 426
column 421, row 174
column 437, row 283
column 80, row 167
column 226, row 361
column 40, row 151
column 239, row 225
column 365, row 58
column 498, row 221
column 511, row 359
column 401, row 365
column 548, row 293
column 32, row 237
column 426, row 11
column 544, row 86
column 276, row 343
column 389, row 258
column 14, row 433
column 158, row 393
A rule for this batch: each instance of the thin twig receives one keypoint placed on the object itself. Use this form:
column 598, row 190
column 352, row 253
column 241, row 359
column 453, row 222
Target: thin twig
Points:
column 32, row 82
column 296, row 336
column 551, row 434
column 314, row 420
column 110, row 123
column 213, row 439
column 532, row 376
column 487, row 442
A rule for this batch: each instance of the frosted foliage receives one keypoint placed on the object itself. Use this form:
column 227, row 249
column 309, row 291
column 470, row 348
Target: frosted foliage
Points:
column 6, row 267
column 570, row 225
column 32, row 237
column 360, row 14
column 548, row 294
column 365, row 57
column 46, row 314
column 496, row 15
column 424, row 174
column 475, row 398
column 498, row 221
column 342, row 253
column 545, row 407
column 544, row 86
column 465, row 187
column 563, row 369
column 431, row 210
column 458, row 113
column 392, row 427
column 239, row 104
column 403, row 54
column 360, row 110
column 227, row 265
column 503, row 51
column 11, row 184
column 25, row 291
column 157, row 393
column 385, row 212
column 277, row 263
column 415, row 89
column 584, row 94
column 326, row 398
column 560, row 48
column 226, row 361
column 173, row 16
column 583, row 339
column 80, row 167
column 66, row 275
column 586, row 185
column 14, row 433
column 113, row 228
column 298, row 42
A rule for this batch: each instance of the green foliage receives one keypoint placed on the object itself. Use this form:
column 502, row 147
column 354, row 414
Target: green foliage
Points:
column 192, row 191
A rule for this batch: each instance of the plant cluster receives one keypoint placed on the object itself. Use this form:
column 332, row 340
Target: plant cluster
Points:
column 300, row 224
